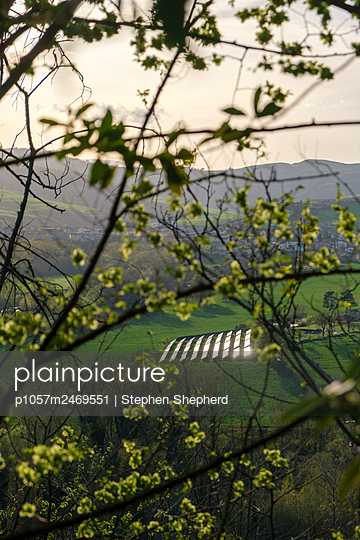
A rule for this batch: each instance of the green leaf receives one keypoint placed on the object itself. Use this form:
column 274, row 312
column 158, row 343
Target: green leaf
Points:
column 173, row 136
column 146, row 163
column 172, row 15
column 233, row 111
column 256, row 100
column 199, row 63
column 269, row 110
column 235, row 135
column 196, row 61
column 49, row 121
column 356, row 46
column 101, row 173
column 83, row 109
column 185, row 155
column 176, row 176
column 106, row 123
column 75, row 151
column 350, row 478
column 69, row 137
column 78, row 257
column 353, row 371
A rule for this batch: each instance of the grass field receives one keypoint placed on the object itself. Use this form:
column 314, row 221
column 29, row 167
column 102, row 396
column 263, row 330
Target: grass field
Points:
column 154, row 331
column 331, row 355
column 228, row 314
column 39, row 214
column 325, row 212
column 312, row 290
column 283, row 386
column 62, row 281
column 151, row 332
column 243, row 381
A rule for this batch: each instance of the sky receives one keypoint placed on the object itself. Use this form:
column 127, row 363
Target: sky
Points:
column 196, row 99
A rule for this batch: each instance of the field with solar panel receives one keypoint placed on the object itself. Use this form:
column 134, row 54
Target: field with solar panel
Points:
column 221, row 334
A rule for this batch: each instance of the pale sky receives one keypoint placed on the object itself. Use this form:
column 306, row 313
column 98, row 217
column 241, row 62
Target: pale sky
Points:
column 196, row 99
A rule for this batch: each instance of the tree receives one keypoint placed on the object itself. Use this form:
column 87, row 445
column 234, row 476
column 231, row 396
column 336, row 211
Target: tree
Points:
column 348, row 297
column 323, row 319
column 330, row 300
column 147, row 496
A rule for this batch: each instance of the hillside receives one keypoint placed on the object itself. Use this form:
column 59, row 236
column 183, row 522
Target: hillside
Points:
column 318, row 179
column 65, row 185
column 39, row 214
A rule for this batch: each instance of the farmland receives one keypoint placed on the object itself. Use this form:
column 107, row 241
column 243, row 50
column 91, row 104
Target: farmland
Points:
column 159, row 328
column 282, row 383
column 40, row 215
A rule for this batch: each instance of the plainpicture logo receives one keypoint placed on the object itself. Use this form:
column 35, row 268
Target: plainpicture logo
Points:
column 98, row 384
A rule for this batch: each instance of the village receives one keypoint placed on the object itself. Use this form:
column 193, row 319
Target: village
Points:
column 327, row 238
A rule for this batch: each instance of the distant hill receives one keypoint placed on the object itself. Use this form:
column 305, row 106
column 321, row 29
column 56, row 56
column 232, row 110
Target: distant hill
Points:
column 319, row 179
column 62, row 184
column 85, row 205
column 40, row 215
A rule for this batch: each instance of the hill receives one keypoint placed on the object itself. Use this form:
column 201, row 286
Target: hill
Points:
column 319, row 180
column 39, row 214
column 65, row 185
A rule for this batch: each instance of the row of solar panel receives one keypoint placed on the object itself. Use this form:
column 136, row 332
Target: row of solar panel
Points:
column 202, row 348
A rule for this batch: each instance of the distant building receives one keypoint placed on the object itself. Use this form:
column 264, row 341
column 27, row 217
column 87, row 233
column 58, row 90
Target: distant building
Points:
column 326, row 223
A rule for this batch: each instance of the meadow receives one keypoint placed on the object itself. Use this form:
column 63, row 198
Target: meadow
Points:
column 283, row 387
column 152, row 332
column 323, row 210
column 40, row 215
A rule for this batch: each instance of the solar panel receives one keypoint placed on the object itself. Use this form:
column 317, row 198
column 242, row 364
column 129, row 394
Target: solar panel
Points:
column 206, row 347
column 186, row 349
column 236, row 349
column 196, row 348
column 166, row 351
column 177, row 349
column 227, row 345
column 217, row 345
column 247, row 348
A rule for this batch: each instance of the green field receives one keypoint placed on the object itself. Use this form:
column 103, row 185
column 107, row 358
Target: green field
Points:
column 165, row 326
column 62, row 281
column 153, row 331
column 227, row 313
column 283, row 387
column 312, row 290
column 341, row 350
column 40, row 215
column 324, row 211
